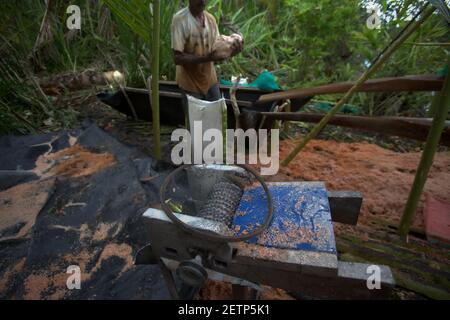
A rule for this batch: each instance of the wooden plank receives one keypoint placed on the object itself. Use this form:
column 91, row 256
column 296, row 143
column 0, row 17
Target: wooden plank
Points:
column 407, row 83
column 412, row 128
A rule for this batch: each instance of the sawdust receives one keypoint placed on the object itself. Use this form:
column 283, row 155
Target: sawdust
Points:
column 85, row 232
column 35, row 286
column 52, row 283
column 19, row 265
column 215, row 290
column 292, row 235
column 44, row 284
column 262, row 252
column 58, row 294
column 82, row 260
column 10, row 273
column 75, row 161
column 384, row 177
column 19, row 207
column 59, row 278
column 274, row 294
column 103, row 230
column 123, row 251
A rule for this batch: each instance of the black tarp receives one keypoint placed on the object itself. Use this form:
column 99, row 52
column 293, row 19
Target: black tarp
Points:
column 91, row 221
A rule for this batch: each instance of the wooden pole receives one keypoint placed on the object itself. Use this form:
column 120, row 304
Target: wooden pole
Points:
column 412, row 128
column 374, row 68
column 287, row 124
column 434, row 104
column 442, row 103
column 155, row 79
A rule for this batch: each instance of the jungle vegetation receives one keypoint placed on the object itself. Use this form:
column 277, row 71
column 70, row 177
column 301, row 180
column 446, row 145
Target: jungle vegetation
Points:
column 302, row 42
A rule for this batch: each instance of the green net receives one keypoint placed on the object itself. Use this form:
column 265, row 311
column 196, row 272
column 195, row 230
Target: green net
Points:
column 265, row 81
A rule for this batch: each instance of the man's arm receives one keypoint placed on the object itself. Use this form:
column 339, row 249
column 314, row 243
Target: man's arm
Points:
column 182, row 58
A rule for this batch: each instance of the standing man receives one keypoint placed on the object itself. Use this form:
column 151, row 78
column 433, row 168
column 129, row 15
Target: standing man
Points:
column 194, row 32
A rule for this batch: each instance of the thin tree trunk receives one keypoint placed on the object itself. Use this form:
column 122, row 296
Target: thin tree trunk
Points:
column 442, row 102
column 155, row 78
column 44, row 36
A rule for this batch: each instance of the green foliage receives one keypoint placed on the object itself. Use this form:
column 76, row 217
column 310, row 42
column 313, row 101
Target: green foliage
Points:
column 136, row 14
column 302, row 42
column 23, row 106
column 412, row 58
column 137, row 45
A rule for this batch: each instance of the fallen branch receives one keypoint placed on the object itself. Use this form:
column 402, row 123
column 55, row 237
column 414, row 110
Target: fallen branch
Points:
column 80, row 81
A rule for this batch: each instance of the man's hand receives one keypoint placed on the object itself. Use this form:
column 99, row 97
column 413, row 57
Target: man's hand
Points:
column 214, row 56
column 237, row 47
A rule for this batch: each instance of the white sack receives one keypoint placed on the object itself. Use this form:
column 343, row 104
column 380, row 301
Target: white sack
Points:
column 210, row 115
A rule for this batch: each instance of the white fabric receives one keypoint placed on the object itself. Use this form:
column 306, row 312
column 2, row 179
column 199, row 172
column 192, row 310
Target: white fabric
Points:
column 210, row 115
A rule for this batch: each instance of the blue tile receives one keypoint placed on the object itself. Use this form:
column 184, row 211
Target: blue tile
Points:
column 301, row 217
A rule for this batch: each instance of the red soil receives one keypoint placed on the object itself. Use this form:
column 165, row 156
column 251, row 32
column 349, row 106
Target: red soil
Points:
column 382, row 176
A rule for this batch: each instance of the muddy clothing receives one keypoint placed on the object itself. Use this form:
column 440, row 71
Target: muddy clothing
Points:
column 190, row 36
column 213, row 93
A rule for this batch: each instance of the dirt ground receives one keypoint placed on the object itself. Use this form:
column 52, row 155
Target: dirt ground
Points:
column 384, row 177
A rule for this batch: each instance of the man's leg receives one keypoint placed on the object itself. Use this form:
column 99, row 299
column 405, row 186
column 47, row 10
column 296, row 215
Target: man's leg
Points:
column 214, row 93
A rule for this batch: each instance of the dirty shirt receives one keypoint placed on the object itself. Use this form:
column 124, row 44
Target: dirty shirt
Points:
column 192, row 37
